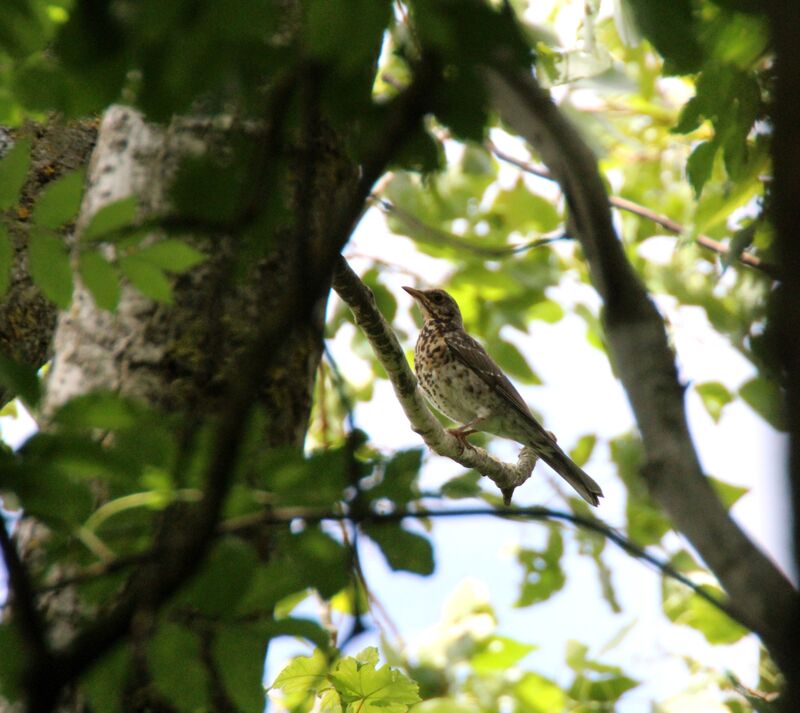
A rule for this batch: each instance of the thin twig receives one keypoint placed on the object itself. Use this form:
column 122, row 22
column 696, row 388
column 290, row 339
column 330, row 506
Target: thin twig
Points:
column 437, row 236
column 664, row 221
column 283, row 516
column 288, row 515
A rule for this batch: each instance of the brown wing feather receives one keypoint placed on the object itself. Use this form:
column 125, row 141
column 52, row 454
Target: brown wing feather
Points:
column 472, row 354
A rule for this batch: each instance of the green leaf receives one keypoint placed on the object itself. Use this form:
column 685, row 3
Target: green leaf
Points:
column 305, row 674
column 12, row 668
column 498, row 654
column 21, row 380
column 682, row 606
column 105, row 682
column 670, row 26
column 539, row 695
column 373, row 690
column 172, row 255
column 542, row 573
column 511, row 360
column 50, row 266
column 606, row 690
column 399, row 481
column 741, row 240
column 59, row 201
column 347, row 34
column 13, row 171
column 239, row 653
column 595, row 681
column 299, row 628
column 764, row 397
column 403, row 550
column 175, row 663
column 715, row 397
column 646, row 523
column 700, row 165
column 110, row 218
column 223, row 579
column 583, row 449
column 729, row 494
column 147, row 278
column 104, row 410
column 101, row 279
column 463, row 486
column 385, row 300
column 6, row 259
column 547, row 311
column 524, row 211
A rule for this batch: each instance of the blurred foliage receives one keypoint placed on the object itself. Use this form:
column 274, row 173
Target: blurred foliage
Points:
column 673, row 98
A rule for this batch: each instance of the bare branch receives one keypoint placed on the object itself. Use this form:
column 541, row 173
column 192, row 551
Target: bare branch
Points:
column 761, row 596
column 436, row 236
column 664, row 221
column 390, row 354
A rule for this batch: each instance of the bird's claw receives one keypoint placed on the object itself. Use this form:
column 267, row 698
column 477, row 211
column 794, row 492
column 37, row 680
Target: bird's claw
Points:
column 460, row 434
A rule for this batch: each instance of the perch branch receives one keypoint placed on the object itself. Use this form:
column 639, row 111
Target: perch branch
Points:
column 390, row 354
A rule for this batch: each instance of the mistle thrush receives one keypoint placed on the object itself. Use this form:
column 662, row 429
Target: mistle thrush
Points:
column 462, row 381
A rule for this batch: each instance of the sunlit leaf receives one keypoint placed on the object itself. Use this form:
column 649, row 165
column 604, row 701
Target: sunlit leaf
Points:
column 542, row 573
column 374, row 690
column 715, row 396
column 682, row 606
column 583, row 449
column 763, row 396
column 499, row 653
column 305, row 674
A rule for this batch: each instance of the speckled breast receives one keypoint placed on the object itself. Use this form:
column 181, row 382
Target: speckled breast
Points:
column 450, row 386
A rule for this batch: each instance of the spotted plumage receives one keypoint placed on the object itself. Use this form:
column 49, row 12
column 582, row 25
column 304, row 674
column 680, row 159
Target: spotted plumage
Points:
column 463, row 382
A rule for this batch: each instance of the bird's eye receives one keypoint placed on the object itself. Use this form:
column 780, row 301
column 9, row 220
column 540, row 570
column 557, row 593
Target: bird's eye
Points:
column 437, row 298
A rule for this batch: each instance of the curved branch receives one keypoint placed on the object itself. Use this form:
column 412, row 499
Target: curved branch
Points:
column 761, row 596
column 390, row 354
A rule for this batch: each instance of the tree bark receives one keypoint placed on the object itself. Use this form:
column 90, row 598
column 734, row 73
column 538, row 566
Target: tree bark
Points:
column 27, row 318
column 183, row 358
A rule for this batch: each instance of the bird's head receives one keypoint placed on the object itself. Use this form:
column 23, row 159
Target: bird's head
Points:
column 437, row 305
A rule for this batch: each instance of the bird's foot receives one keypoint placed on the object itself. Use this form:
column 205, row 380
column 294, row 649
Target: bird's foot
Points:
column 460, row 434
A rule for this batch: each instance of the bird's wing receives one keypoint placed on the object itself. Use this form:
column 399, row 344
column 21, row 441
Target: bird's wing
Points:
column 474, row 356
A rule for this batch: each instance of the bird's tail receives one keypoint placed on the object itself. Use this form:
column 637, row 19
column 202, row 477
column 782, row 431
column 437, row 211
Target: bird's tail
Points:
column 570, row 471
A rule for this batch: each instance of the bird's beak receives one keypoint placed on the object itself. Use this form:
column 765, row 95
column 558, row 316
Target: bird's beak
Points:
column 416, row 294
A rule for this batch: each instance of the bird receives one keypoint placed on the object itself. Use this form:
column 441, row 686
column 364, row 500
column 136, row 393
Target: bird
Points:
column 461, row 380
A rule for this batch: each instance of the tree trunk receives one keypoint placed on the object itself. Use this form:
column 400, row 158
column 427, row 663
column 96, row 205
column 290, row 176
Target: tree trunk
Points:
column 182, row 358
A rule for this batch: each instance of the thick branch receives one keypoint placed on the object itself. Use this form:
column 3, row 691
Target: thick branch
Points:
column 390, row 354
column 761, row 596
